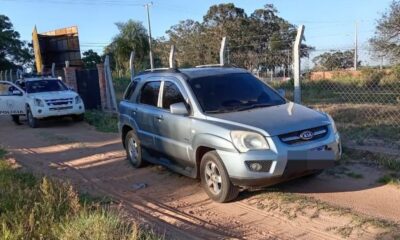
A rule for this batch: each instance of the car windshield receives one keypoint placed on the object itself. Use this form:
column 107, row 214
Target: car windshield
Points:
column 45, row 86
column 233, row 92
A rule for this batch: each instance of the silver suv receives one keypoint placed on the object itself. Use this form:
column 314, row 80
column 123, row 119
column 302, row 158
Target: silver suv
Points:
column 224, row 126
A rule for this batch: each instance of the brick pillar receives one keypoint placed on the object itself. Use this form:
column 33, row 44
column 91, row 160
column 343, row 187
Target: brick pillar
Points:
column 102, row 84
column 70, row 78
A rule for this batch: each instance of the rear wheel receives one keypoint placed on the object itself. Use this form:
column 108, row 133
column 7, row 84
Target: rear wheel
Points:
column 215, row 179
column 32, row 121
column 133, row 149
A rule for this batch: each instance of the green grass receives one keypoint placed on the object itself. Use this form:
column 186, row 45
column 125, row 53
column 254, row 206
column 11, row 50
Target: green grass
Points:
column 103, row 122
column 41, row 208
column 392, row 178
column 355, row 175
column 389, row 162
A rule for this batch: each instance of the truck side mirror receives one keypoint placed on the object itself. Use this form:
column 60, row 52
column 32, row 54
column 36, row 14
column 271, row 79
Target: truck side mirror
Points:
column 178, row 109
column 16, row 93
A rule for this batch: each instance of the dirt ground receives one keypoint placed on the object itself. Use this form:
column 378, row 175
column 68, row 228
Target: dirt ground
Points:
column 330, row 206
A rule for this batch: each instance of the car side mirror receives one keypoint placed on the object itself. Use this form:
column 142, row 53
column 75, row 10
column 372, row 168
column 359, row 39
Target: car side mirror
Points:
column 281, row 92
column 16, row 93
column 179, row 109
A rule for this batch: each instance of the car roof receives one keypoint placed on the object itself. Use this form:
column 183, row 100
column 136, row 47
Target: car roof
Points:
column 196, row 72
column 210, row 71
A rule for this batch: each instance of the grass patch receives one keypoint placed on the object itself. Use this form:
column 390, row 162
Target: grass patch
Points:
column 103, row 122
column 355, row 175
column 392, row 178
column 33, row 208
column 387, row 161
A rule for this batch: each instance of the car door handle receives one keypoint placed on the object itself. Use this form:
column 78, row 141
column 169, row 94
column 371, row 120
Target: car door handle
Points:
column 160, row 118
column 134, row 111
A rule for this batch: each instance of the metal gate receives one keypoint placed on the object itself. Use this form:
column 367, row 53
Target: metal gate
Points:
column 88, row 87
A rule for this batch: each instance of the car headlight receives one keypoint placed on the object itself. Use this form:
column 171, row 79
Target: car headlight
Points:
column 78, row 100
column 332, row 123
column 38, row 102
column 245, row 141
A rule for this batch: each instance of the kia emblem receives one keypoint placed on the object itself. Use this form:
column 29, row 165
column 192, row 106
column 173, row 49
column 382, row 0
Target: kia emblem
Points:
column 306, row 135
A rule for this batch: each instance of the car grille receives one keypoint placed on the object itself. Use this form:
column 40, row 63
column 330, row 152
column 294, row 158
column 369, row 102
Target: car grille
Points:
column 294, row 137
column 60, row 101
column 60, row 108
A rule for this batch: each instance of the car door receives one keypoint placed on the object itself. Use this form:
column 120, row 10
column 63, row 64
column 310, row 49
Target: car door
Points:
column 173, row 131
column 146, row 111
column 12, row 99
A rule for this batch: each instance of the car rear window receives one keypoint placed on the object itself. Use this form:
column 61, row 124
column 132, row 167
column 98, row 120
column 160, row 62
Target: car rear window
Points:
column 233, row 92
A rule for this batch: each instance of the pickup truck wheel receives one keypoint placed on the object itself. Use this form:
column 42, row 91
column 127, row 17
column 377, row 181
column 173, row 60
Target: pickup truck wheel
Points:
column 215, row 179
column 15, row 119
column 32, row 121
column 78, row 118
column 133, row 149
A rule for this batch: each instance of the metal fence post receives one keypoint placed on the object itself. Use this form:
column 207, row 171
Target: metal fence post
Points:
column 296, row 64
column 132, row 65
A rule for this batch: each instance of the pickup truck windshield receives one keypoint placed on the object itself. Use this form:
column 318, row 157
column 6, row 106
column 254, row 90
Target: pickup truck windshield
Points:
column 45, row 86
column 233, row 92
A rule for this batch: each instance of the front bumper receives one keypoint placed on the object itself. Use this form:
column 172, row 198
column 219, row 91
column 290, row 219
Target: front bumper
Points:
column 282, row 161
column 58, row 111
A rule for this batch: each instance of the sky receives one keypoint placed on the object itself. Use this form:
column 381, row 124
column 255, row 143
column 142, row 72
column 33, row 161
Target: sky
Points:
column 329, row 24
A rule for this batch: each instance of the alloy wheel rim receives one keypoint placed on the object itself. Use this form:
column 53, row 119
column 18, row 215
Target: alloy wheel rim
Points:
column 133, row 150
column 213, row 178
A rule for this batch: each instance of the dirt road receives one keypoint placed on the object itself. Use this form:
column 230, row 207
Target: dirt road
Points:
column 330, row 206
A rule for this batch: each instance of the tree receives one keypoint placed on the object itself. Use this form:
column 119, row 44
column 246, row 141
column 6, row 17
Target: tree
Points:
column 386, row 41
column 14, row 52
column 262, row 40
column 132, row 36
column 334, row 60
column 91, row 58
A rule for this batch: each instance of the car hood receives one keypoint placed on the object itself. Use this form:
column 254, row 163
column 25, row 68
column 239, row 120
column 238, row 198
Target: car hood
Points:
column 275, row 120
column 53, row 95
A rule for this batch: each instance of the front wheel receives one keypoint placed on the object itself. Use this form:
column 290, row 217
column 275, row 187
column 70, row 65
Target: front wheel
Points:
column 215, row 179
column 133, row 149
column 78, row 118
column 32, row 121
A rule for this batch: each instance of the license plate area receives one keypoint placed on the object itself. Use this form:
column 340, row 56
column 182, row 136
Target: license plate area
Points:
column 319, row 149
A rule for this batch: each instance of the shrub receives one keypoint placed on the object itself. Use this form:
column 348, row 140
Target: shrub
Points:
column 370, row 78
column 103, row 122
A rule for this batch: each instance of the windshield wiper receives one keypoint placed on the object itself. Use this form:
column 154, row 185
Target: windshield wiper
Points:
column 260, row 105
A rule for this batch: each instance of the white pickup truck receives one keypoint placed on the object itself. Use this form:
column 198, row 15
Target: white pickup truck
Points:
column 39, row 98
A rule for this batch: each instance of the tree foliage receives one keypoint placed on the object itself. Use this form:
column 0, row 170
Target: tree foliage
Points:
column 334, row 60
column 386, row 41
column 132, row 36
column 14, row 52
column 91, row 58
column 261, row 40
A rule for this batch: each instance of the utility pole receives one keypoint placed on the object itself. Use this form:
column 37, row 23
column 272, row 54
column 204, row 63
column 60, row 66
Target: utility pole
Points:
column 147, row 5
column 356, row 47
column 296, row 64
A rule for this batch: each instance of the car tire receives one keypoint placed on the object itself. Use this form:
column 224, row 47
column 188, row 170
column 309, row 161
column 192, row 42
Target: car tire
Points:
column 78, row 118
column 15, row 119
column 215, row 179
column 133, row 149
column 32, row 121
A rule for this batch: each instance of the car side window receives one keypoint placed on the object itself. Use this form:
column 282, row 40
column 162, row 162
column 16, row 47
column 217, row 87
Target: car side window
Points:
column 129, row 91
column 6, row 89
column 171, row 95
column 149, row 93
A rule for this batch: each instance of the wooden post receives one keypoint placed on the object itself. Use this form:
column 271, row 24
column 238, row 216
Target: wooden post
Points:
column 172, row 57
column 132, row 65
column 296, row 64
column 222, row 52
